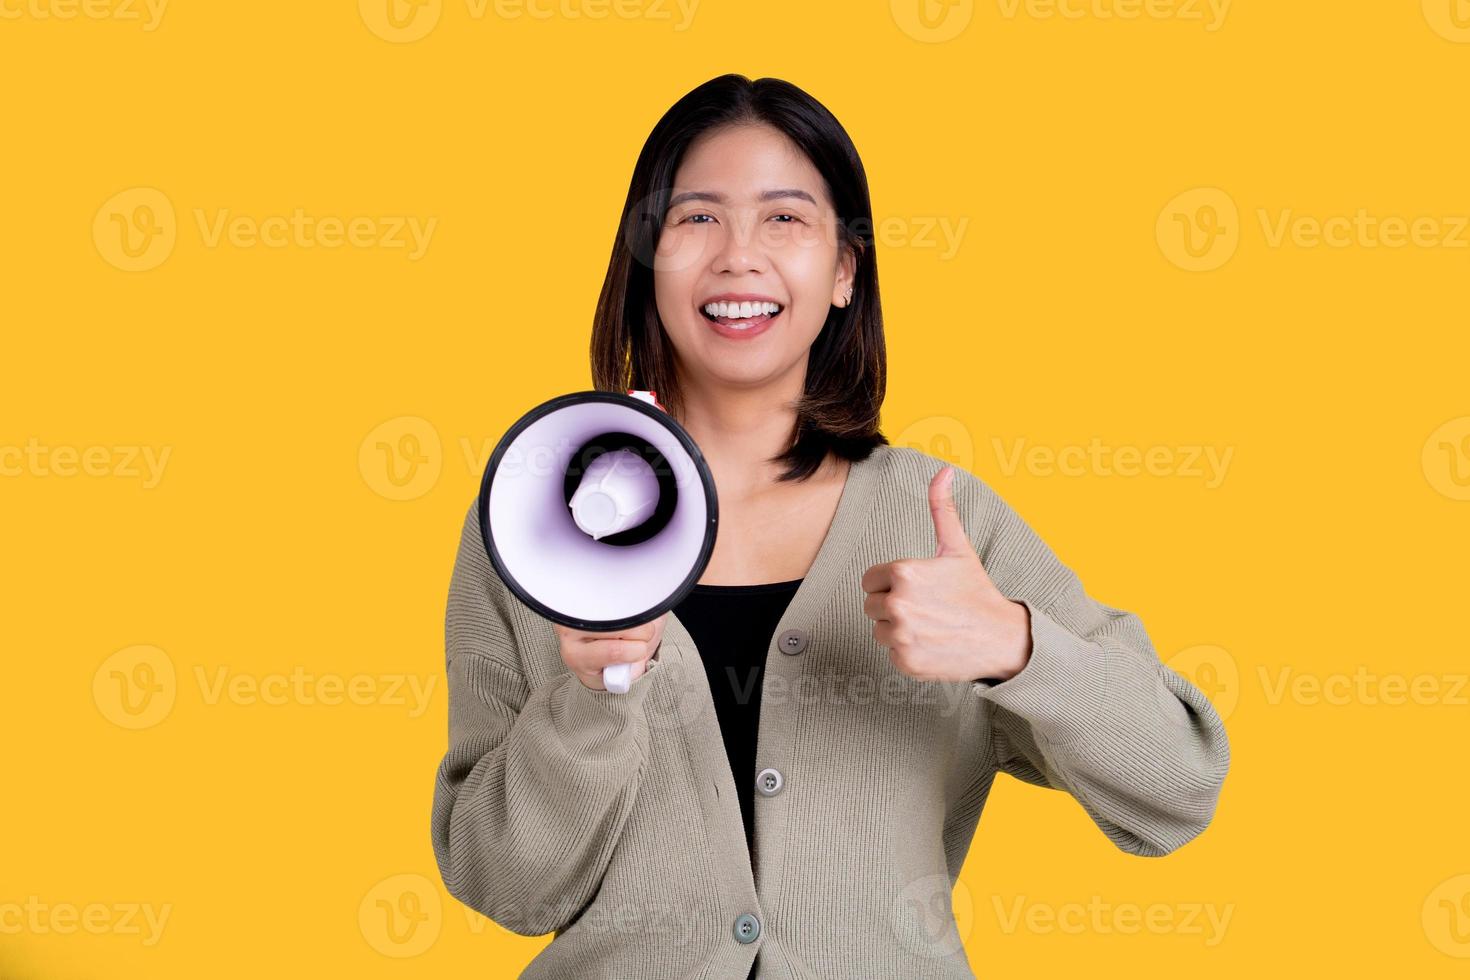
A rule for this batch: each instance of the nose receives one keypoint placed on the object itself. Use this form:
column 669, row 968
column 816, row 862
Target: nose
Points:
column 739, row 250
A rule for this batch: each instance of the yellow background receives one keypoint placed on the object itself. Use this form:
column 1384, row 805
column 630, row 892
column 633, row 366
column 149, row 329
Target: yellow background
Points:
column 1073, row 151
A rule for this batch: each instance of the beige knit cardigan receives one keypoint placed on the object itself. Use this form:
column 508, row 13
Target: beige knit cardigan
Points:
column 612, row 820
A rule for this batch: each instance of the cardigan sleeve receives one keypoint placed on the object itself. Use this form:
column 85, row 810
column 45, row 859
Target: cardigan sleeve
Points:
column 1094, row 712
column 537, row 782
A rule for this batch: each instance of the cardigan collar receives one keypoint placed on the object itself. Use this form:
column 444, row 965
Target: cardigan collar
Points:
column 848, row 521
column 692, row 712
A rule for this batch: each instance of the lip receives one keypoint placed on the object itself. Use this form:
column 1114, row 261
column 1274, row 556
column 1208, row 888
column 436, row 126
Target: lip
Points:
column 736, row 333
column 740, row 334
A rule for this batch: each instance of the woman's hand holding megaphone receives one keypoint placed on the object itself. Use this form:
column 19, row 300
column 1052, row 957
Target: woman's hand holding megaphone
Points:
column 586, row 654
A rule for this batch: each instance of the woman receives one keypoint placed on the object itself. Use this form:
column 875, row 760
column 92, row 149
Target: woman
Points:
column 853, row 668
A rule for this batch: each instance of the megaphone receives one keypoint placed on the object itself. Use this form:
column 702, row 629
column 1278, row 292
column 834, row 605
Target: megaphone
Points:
column 599, row 512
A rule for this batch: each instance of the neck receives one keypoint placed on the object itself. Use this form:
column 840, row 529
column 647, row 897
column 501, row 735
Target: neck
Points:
column 739, row 429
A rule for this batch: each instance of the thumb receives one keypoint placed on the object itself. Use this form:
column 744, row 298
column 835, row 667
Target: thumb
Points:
column 949, row 533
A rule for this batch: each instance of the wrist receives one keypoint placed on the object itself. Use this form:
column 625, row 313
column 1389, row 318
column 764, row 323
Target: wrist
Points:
column 1016, row 653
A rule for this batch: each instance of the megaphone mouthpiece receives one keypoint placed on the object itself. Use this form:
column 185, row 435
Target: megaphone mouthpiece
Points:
column 618, row 491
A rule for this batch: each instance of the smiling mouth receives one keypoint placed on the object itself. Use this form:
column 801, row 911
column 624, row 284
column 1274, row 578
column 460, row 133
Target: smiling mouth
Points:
column 742, row 322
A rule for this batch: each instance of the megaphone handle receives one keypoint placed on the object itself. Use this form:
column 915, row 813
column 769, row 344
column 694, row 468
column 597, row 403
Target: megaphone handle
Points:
column 617, row 678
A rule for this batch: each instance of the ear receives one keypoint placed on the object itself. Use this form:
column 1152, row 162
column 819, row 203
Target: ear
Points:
column 846, row 275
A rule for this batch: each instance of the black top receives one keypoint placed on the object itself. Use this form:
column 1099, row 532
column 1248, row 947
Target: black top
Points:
column 732, row 627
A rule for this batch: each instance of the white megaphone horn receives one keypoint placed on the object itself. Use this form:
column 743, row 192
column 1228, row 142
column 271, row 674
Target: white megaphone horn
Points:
column 599, row 512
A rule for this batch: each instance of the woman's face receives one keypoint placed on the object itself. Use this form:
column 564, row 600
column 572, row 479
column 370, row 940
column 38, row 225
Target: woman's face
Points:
column 749, row 220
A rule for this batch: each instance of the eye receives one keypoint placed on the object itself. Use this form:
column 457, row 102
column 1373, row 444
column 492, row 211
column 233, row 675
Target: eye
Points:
column 793, row 218
column 700, row 214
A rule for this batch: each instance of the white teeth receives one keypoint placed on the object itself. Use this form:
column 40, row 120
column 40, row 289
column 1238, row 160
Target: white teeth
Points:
column 741, row 311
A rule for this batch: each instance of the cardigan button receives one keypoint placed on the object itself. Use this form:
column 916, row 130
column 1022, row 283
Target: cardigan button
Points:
column 768, row 782
column 792, row 641
column 747, row 928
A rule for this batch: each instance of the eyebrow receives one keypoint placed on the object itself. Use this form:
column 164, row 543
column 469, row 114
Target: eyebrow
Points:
column 717, row 198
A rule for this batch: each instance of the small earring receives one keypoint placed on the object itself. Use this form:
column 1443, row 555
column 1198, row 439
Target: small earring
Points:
column 847, row 300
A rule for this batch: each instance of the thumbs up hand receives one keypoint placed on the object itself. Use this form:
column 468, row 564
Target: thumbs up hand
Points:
column 942, row 618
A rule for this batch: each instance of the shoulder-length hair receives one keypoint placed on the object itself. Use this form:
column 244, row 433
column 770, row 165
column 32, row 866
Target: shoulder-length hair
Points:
column 847, row 366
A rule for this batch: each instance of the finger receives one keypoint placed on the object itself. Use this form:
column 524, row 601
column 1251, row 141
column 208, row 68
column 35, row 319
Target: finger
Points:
column 883, row 634
column 875, row 606
column 643, row 631
column 949, row 533
column 618, row 652
column 878, row 578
